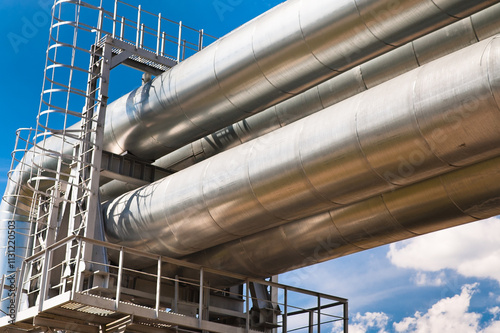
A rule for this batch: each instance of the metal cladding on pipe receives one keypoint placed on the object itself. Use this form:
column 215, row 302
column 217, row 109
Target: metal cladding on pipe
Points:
column 454, row 37
column 449, row 200
column 285, row 51
column 416, row 126
column 260, row 64
column 401, row 60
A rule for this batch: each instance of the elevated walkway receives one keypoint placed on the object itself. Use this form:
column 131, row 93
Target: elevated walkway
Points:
column 163, row 295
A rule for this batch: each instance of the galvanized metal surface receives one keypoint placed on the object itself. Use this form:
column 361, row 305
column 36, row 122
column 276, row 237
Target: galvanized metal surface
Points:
column 285, row 51
column 432, row 120
column 444, row 41
column 209, row 90
column 465, row 32
column 455, row 198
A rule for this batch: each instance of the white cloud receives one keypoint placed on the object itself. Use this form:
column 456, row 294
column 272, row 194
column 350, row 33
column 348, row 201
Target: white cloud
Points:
column 426, row 279
column 494, row 327
column 450, row 315
column 494, row 296
column 447, row 315
column 362, row 323
column 495, row 311
column 473, row 250
column 369, row 320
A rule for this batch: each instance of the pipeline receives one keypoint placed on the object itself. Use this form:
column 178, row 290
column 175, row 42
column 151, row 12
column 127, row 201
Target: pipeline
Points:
column 433, row 46
column 414, row 210
column 251, row 69
column 454, row 37
column 419, row 125
column 283, row 52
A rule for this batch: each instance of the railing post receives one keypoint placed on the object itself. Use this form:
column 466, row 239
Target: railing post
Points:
column 158, row 286
column 44, row 277
column 114, row 19
column 122, row 28
column 183, row 49
column 200, row 40
column 179, row 41
column 163, row 37
column 2, row 287
column 119, row 279
column 99, row 24
column 285, row 314
column 141, row 40
column 311, row 321
column 138, row 27
column 19, row 286
column 319, row 313
column 76, row 276
column 200, row 309
column 346, row 318
column 247, row 292
column 158, row 35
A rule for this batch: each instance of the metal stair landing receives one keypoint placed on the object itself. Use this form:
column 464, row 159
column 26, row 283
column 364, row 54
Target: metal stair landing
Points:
column 143, row 60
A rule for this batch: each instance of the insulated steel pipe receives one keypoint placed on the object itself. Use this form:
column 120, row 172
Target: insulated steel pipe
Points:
column 252, row 68
column 419, row 125
column 283, row 52
column 454, row 37
column 452, row 199
column 444, row 41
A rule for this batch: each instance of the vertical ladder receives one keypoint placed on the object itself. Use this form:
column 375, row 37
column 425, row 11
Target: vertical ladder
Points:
column 84, row 209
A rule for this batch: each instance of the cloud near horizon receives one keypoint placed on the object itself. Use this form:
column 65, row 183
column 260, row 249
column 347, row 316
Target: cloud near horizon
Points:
column 448, row 315
column 472, row 250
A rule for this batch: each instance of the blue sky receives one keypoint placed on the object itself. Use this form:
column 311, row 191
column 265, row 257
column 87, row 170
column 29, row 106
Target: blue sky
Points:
column 444, row 282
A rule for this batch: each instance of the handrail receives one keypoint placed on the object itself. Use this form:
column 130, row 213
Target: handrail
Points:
column 119, row 272
column 181, row 263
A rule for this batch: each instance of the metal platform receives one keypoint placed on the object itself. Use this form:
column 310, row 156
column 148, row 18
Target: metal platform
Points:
column 96, row 297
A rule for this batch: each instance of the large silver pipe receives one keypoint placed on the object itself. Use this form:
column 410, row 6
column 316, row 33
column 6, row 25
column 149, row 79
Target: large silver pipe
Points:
column 434, row 119
column 444, row 41
column 452, row 199
column 283, row 52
